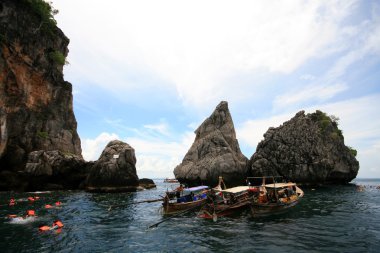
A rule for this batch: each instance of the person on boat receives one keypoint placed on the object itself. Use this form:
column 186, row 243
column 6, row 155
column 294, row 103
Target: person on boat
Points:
column 179, row 188
column 272, row 196
column 12, row 202
column 211, row 197
column 178, row 191
column 263, row 197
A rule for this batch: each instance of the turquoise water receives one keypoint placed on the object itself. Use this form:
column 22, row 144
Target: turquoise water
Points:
column 328, row 219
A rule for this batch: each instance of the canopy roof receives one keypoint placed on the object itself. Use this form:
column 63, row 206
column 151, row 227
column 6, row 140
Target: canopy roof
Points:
column 196, row 188
column 279, row 185
column 236, row 189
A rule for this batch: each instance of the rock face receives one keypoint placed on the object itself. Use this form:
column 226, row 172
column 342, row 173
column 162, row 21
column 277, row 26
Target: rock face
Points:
column 308, row 149
column 146, row 183
column 215, row 152
column 36, row 104
column 115, row 170
column 50, row 170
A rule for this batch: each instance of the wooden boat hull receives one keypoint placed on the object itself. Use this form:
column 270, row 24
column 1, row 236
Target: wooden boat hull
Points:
column 264, row 209
column 171, row 208
column 223, row 210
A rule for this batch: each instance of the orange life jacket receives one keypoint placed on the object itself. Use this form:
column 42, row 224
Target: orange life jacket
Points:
column 31, row 213
column 58, row 223
column 31, row 199
column 58, row 203
column 44, row 228
column 48, row 206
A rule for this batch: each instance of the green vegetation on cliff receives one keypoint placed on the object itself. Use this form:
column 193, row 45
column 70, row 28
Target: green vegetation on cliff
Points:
column 325, row 121
column 45, row 13
column 58, row 58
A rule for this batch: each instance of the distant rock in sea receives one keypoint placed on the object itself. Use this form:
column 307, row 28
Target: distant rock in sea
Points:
column 146, row 183
column 115, row 170
column 215, row 152
column 308, row 149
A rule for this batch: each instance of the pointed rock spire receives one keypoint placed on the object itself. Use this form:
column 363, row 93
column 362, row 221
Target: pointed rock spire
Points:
column 215, row 152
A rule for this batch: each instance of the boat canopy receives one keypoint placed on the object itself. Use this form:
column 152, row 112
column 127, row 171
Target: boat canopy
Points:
column 236, row 189
column 280, row 185
column 196, row 188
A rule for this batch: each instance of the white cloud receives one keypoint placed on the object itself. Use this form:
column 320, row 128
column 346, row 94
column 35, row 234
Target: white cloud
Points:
column 251, row 132
column 195, row 46
column 370, row 160
column 92, row 148
column 315, row 93
column 307, row 77
column 161, row 128
column 156, row 157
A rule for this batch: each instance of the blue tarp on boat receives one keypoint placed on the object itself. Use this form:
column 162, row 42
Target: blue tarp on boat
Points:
column 196, row 188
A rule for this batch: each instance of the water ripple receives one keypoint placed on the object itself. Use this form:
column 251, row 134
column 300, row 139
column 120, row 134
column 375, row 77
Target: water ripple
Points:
column 328, row 219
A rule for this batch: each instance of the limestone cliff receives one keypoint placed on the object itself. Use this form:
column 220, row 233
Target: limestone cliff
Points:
column 36, row 103
column 307, row 149
column 215, row 152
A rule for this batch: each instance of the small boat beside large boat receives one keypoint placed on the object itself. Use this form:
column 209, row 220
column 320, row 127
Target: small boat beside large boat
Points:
column 183, row 199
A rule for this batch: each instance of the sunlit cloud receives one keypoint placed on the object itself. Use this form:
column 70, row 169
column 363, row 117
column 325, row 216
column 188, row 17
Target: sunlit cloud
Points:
column 92, row 148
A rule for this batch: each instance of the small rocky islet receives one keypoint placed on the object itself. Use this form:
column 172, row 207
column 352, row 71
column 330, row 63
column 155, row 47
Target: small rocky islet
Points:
column 40, row 148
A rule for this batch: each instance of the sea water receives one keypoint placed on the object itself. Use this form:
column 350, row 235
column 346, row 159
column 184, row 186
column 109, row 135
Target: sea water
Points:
column 328, row 219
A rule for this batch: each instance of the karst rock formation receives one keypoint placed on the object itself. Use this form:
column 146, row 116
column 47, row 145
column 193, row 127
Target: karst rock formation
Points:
column 36, row 103
column 115, row 170
column 307, row 149
column 215, row 152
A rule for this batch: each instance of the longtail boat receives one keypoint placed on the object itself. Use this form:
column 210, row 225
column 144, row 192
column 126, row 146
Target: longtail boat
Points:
column 225, row 202
column 183, row 199
column 273, row 198
column 170, row 180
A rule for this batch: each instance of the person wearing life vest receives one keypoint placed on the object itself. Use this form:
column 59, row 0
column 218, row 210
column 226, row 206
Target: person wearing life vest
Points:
column 31, row 199
column 58, row 203
column 48, row 206
column 56, row 225
column 30, row 213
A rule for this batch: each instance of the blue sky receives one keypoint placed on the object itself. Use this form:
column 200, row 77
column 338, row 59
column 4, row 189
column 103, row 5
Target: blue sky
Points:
column 149, row 72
